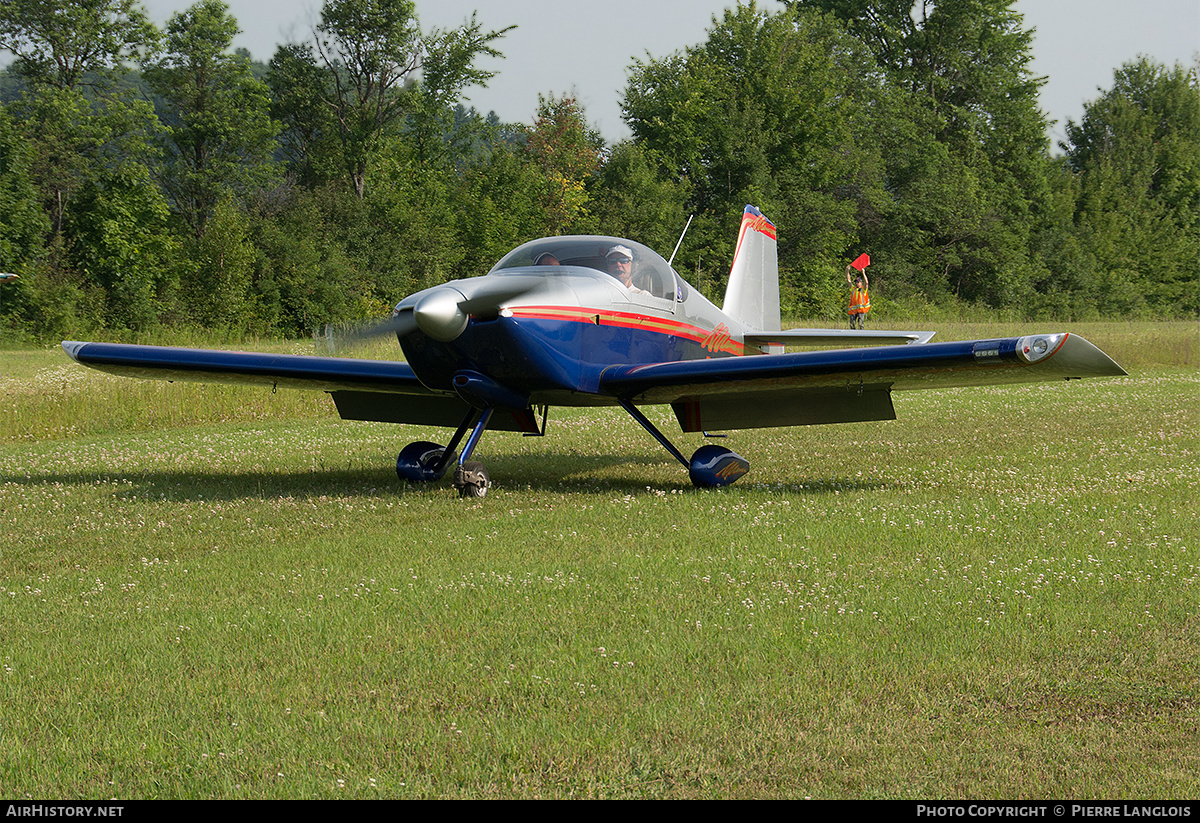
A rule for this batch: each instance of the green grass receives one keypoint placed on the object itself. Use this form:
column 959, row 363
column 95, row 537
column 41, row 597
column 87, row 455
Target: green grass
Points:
column 994, row 596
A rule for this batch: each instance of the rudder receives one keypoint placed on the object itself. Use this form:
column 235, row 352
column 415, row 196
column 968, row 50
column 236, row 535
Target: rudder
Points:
column 752, row 295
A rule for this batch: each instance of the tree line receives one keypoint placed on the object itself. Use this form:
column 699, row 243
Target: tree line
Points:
column 153, row 178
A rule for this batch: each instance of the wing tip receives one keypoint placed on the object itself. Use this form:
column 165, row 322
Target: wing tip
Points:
column 1076, row 356
column 73, row 348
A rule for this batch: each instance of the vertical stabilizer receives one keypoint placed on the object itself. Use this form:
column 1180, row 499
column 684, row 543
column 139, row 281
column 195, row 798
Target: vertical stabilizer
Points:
column 752, row 296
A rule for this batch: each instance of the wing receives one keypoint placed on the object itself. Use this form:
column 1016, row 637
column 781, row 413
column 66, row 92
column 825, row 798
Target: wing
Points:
column 379, row 390
column 211, row 366
column 845, row 385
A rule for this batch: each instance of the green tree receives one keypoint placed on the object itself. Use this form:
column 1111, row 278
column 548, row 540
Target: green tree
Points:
column 413, row 242
column 371, row 49
column 22, row 222
column 87, row 133
column 967, row 60
column 217, row 287
column 120, row 242
column 963, row 144
column 80, row 120
column 631, row 197
column 373, row 52
column 448, row 68
column 767, row 111
column 219, row 135
column 498, row 198
column 303, row 276
column 567, row 152
column 309, row 140
column 71, row 44
column 1136, row 155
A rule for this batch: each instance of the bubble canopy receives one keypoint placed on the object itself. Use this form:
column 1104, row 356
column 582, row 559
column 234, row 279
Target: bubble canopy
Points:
column 650, row 271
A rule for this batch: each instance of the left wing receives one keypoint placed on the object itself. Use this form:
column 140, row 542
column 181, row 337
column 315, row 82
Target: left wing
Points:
column 381, row 390
column 846, row 385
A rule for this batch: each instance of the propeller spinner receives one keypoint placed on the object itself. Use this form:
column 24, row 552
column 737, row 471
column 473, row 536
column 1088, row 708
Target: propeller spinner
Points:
column 443, row 312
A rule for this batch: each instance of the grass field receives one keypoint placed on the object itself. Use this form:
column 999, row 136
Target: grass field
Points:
column 224, row 592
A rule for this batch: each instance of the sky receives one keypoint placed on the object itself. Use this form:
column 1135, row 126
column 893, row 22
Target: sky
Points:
column 584, row 47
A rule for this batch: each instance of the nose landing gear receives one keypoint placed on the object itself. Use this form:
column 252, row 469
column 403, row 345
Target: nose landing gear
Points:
column 471, row 479
column 425, row 462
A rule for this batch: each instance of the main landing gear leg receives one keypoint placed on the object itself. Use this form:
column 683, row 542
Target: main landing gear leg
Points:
column 424, row 462
column 710, row 466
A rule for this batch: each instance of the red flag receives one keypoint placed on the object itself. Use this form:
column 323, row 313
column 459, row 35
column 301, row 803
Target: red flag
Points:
column 862, row 262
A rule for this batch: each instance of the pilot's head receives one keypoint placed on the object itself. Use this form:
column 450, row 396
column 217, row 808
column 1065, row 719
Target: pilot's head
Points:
column 620, row 264
column 546, row 259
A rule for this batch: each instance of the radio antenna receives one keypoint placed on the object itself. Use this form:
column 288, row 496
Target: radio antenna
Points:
column 685, row 228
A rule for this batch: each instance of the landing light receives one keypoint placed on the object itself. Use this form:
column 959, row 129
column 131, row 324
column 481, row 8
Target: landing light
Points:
column 1034, row 348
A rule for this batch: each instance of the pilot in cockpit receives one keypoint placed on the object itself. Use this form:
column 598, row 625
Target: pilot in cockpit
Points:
column 546, row 259
column 620, row 265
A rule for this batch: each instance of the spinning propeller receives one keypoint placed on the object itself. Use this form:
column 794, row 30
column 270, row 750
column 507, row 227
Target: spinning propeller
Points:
column 443, row 312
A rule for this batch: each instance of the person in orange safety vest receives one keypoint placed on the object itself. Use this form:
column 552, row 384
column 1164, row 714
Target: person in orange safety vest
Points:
column 860, row 301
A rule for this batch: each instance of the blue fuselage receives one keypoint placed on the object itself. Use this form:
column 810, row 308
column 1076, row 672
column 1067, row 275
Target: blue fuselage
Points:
column 554, row 343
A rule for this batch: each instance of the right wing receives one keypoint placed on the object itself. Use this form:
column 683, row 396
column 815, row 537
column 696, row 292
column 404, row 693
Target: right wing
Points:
column 386, row 391
column 213, row 366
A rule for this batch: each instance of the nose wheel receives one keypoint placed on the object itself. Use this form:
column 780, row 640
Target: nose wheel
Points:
column 471, row 479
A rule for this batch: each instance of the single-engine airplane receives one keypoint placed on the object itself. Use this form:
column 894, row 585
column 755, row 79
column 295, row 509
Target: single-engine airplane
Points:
column 603, row 321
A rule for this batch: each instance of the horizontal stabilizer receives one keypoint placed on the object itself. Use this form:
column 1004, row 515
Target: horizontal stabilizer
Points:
column 836, row 337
